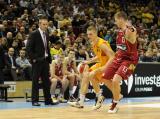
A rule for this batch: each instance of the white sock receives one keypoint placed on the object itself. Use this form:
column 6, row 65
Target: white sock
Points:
column 74, row 89
column 82, row 98
column 60, row 95
column 53, row 96
column 115, row 101
column 70, row 92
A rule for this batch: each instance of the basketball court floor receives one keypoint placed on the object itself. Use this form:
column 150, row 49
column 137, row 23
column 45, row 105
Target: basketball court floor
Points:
column 129, row 108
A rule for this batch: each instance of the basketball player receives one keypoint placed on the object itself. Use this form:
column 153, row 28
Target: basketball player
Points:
column 103, row 58
column 70, row 70
column 58, row 78
column 126, row 57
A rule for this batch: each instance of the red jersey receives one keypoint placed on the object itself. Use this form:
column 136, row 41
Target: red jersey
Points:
column 125, row 49
column 70, row 66
column 58, row 70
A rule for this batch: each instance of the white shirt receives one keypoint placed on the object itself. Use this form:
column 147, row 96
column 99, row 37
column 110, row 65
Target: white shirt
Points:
column 44, row 41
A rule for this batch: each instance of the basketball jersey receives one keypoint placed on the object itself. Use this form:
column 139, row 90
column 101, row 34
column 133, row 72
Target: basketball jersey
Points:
column 125, row 49
column 58, row 70
column 70, row 66
column 99, row 53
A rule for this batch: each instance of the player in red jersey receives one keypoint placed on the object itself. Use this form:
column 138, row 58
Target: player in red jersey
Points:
column 125, row 60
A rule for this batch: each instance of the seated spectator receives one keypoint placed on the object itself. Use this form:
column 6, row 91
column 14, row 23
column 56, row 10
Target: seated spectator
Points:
column 108, row 36
column 54, row 37
column 56, row 49
column 11, row 66
column 52, row 28
column 148, row 56
column 9, row 39
column 155, row 57
column 82, row 54
column 24, row 65
column 71, row 37
column 58, row 77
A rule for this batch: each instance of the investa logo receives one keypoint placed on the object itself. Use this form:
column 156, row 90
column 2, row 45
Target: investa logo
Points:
column 129, row 82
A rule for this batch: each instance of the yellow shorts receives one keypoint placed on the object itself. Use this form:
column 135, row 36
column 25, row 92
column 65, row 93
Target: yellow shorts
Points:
column 98, row 76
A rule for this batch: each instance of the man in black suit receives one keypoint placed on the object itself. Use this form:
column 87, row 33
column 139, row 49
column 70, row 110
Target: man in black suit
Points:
column 2, row 62
column 39, row 53
column 11, row 67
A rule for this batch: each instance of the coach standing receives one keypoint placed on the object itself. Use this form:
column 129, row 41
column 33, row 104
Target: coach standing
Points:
column 39, row 53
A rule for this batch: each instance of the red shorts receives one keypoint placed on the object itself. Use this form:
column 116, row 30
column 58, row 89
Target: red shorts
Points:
column 124, row 69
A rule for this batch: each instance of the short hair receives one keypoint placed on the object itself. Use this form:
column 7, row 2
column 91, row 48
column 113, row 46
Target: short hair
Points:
column 43, row 17
column 121, row 14
column 22, row 50
column 92, row 28
column 58, row 43
column 71, row 50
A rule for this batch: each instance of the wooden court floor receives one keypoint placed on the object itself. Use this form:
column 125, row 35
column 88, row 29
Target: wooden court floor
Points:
column 126, row 111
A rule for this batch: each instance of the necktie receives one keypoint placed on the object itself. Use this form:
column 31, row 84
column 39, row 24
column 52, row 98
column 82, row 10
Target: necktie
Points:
column 44, row 40
column 12, row 61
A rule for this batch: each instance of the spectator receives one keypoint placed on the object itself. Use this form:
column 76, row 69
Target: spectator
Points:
column 11, row 66
column 2, row 61
column 9, row 39
column 54, row 37
column 24, row 65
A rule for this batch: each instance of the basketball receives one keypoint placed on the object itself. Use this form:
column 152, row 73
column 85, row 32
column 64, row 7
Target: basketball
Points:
column 81, row 67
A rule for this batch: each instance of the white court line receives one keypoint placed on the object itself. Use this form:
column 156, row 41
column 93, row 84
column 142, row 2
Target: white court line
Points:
column 157, row 105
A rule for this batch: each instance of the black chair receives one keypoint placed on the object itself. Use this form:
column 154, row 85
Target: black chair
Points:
column 4, row 92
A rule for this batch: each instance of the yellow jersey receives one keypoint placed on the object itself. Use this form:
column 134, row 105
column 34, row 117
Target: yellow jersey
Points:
column 54, row 51
column 102, row 57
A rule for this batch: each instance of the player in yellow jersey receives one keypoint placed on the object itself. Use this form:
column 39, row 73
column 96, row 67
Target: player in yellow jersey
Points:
column 104, row 56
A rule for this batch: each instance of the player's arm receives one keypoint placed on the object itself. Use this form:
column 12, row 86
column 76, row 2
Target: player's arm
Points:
column 109, row 52
column 65, row 72
column 64, row 68
column 131, row 34
column 92, row 60
column 75, row 67
column 53, row 71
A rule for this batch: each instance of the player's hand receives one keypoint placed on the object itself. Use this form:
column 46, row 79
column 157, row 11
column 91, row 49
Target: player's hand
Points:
column 85, row 62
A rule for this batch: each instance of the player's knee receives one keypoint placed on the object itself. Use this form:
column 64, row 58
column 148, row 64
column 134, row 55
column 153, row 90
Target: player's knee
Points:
column 54, row 80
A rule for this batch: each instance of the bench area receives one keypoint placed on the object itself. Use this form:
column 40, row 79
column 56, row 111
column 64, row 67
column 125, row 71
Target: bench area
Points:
column 4, row 92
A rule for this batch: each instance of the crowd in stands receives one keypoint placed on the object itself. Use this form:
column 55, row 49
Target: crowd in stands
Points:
column 68, row 20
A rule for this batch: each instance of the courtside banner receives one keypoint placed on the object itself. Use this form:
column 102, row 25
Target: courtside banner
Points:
column 144, row 82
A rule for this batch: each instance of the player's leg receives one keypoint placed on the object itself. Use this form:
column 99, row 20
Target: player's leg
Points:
column 99, row 97
column 123, row 72
column 109, row 85
column 53, row 88
column 65, row 84
column 72, row 79
column 83, row 90
column 72, row 97
column 116, row 93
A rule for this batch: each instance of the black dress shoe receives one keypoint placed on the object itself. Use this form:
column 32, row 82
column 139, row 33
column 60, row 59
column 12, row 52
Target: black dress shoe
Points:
column 36, row 104
column 50, row 103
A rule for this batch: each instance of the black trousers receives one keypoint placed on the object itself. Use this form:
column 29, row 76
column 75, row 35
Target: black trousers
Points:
column 1, row 77
column 1, row 82
column 40, row 70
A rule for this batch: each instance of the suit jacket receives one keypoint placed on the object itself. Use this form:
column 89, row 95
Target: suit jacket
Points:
column 9, row 63
column 35, row 47
column 2, row 57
